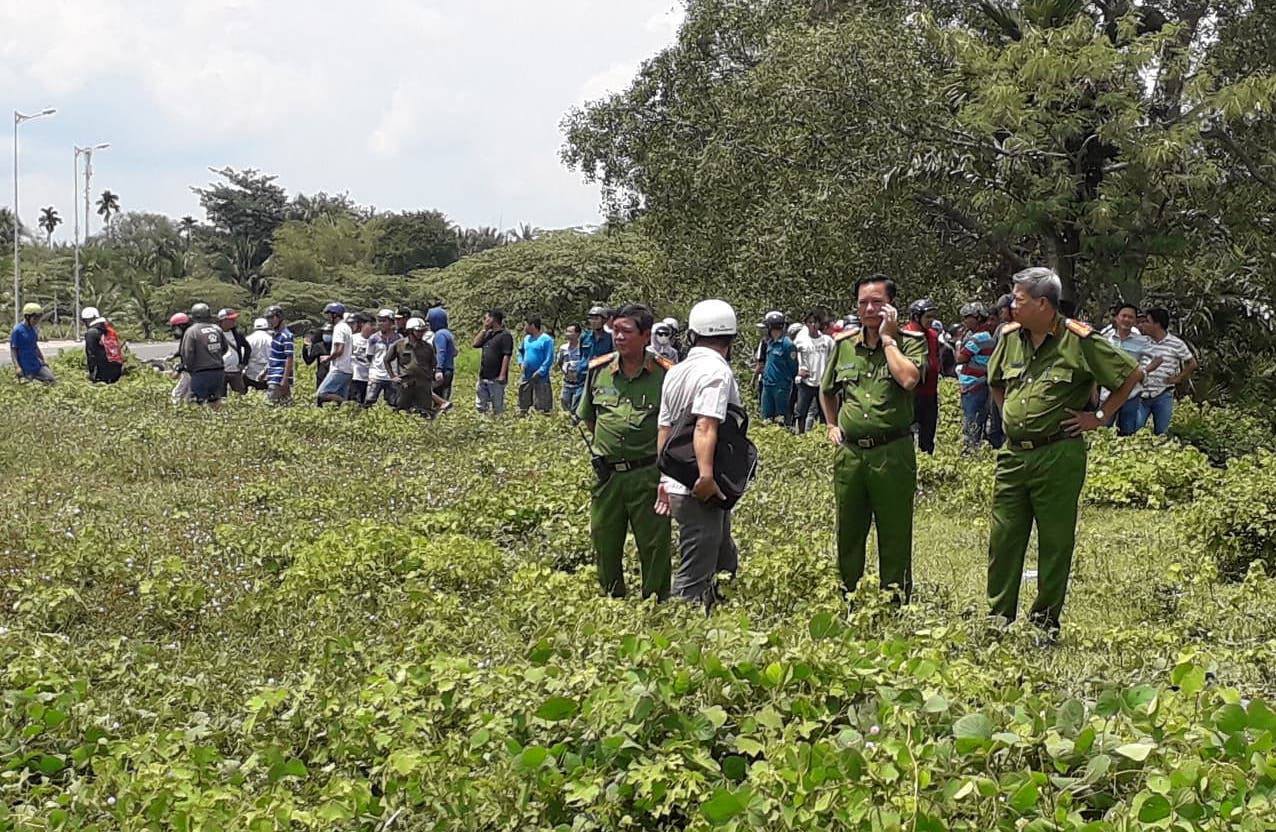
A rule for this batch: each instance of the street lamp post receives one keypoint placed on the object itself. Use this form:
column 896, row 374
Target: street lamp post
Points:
column 87, row 152
column 18, row 118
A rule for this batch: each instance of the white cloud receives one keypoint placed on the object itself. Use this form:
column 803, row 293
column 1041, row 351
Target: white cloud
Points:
column 613, row 79
column 453, row 104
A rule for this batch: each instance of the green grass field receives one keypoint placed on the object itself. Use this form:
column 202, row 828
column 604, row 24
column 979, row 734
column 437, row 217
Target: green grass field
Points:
column 305, row 619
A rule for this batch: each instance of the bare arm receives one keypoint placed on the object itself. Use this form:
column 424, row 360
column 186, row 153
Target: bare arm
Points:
column 1080, row 422
column 828, row 404
column 478, row 339
column 504, row 375
column 1184, row 374
column 705, row 443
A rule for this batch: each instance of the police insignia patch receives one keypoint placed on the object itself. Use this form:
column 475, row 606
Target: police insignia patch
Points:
column 1079, row 329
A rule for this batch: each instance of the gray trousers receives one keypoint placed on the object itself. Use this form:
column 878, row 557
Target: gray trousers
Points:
column 705, row 546
column 489, row 396
column 535, row 392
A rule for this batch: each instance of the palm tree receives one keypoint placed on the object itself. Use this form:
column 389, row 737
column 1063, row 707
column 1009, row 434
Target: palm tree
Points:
column 49, row 220
column 187, row 229
column 107, row 206
column 523, row 233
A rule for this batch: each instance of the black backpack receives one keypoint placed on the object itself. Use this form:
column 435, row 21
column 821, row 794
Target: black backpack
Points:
column 735, row 461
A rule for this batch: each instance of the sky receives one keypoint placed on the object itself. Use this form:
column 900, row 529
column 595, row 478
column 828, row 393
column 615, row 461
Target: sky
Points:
column 404, row 104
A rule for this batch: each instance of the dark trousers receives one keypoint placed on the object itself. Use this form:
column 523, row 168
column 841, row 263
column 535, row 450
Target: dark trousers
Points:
column 358, row 391
column 926, row 414
column 444, row 388
column 808, row 397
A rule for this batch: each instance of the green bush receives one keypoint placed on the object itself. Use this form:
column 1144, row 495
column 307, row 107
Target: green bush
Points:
column 1236, row 524
column 1221, row 433
column 1142, row 470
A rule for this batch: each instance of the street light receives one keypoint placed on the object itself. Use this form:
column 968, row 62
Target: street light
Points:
column 87, row 152
column 18, row 118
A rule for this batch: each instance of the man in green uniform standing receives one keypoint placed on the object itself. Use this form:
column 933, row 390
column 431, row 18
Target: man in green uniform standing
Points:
column 620, row 405
column 1041, row 374
column 873, row 371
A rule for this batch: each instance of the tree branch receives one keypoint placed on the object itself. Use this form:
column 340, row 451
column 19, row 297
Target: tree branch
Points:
column 971, row 226
column 1239, row 152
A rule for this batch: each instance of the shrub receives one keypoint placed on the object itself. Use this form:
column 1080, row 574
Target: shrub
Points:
column 1221, row 433
column 1236, row 526
column 1142, row 470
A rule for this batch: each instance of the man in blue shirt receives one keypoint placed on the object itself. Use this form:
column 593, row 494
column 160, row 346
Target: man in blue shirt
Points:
column 596, row 341
column 280, row 366
column 777, row 365
column 537, row 357
column 444, row 352
column 24, row 347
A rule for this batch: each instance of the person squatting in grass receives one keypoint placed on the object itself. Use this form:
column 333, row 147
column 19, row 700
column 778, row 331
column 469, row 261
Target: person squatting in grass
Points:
column 620, row 406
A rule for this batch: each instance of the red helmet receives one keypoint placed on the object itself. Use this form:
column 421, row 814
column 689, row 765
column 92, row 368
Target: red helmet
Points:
column 179, row 319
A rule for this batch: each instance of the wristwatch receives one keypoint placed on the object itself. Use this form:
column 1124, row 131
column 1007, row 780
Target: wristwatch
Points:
column 1101, row 415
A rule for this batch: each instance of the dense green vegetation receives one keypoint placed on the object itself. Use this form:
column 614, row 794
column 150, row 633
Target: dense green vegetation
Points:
column 270, row 619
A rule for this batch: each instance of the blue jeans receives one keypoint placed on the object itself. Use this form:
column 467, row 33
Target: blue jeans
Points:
column 570, row 398
column 1130, row 417
column 775, row 401
column 975, row 405
column 1160, row 408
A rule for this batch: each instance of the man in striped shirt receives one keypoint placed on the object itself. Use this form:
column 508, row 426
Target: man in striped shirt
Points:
column 1176, row 365
column 279, row 368
column 973, row 352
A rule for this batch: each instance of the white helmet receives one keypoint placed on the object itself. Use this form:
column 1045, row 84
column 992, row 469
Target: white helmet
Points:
column 415, row 323
column 709, row 318
column 88, row 313
column 672, row 323
column 260, row 323
column 386, row 313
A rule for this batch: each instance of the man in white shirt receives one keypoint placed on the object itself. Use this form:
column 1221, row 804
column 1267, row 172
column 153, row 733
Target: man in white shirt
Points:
column 700, row 388
column 1176, row 365
column 814, row 346
column 340, row 361
column 259, row 342
column 363, row 329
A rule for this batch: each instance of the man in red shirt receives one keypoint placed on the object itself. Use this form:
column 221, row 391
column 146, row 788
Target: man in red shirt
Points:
column 926, row 395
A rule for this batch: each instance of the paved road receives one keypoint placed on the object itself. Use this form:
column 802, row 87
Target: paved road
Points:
column 144, row 350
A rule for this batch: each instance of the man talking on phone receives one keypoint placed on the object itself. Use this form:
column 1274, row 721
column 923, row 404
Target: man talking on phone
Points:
column 867, row 398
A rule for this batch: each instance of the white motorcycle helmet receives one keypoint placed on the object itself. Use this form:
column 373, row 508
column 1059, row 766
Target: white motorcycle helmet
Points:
column 711, row 318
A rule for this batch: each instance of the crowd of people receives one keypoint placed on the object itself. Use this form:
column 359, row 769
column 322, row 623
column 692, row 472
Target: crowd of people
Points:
column 644, row 391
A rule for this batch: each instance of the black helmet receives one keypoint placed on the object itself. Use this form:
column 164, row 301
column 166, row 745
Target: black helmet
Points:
column 274, row 310
column 201, row 312
column 773, row 319
column 918, row 308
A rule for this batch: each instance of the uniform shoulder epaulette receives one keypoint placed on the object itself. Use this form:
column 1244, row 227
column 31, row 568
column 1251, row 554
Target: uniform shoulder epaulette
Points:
column 1013, row 326
column 601, row 361
column 1079, row 328
column 911, row 334
column 846, row 333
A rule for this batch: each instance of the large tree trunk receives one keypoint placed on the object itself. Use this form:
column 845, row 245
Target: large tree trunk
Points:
column 1065, row 249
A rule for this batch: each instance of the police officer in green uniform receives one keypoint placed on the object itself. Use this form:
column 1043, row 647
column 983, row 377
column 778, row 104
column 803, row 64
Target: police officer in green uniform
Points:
column 873, row 371
column 411, row 363
column 620, row 405
column 1042, row 374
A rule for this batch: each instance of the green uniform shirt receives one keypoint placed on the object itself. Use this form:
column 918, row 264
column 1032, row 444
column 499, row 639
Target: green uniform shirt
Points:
column 873, row 402
column 1043, row 383
column 624, row 410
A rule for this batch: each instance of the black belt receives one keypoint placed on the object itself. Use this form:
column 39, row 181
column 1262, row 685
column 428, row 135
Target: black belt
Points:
column 870, row 442
column 1034, row 444
column 622, row 466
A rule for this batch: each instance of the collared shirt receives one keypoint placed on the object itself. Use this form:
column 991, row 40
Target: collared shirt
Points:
column 536, row 355
column 702, row 384
column 874, row 404
column 1043, row 383
column 624, row 410
column 976, row 349
column 594, row 345
column 1174, row 354
column 569, row 364
column 25, row 349
column 411, row 360
column 282, row 348
column 1136, row 345
column 259, row 341
column 780, row 367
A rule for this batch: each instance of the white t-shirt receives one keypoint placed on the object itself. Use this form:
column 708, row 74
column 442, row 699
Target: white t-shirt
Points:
column 378, row 347
column 813, row 355
column 259, row 341
column 360, row 356
column 341, row 334
column 230, row 359
column 702, row 385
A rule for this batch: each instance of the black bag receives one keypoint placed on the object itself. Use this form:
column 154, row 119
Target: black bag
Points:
column 735, row 460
